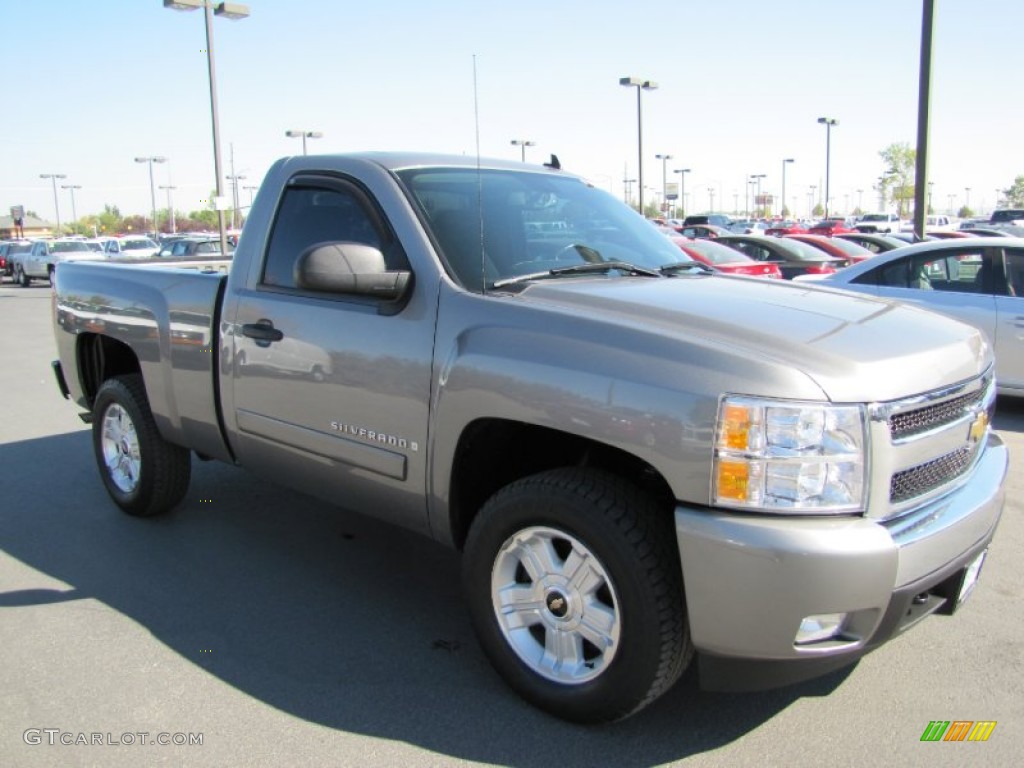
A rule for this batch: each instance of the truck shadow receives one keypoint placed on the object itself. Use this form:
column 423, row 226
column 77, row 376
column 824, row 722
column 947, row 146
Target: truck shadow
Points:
column 327, row 616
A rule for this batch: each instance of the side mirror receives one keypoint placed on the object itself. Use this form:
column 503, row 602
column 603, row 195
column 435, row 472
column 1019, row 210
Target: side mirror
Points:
column 349, row 268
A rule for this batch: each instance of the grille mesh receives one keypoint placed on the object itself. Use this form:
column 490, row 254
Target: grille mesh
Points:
column 930, row 475
column 909, row 423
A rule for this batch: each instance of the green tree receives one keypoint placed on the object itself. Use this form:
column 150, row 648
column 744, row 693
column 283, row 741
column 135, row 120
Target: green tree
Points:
column 898, row 180
column 818, row 210
column 1014, row 196
column 965, row 213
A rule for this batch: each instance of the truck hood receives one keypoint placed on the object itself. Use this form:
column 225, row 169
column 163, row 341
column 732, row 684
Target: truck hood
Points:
column 855, row 348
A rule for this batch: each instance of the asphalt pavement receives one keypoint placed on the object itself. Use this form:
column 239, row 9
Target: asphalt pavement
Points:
column 277, row 630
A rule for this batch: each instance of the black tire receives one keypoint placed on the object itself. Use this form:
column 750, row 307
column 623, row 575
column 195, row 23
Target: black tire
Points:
column 22, row 279
column 634, row 589
column 49, row 273
column 143, row 473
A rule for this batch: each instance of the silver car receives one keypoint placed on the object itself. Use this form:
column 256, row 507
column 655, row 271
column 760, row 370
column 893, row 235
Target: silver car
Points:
column 977, row 280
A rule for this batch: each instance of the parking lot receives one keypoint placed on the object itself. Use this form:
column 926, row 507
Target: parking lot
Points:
column 277, row 630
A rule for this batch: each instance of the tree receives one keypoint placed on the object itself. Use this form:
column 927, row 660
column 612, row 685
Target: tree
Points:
column 965, row 213
column 818, row 210
column 898, row 180
column 1014, row 196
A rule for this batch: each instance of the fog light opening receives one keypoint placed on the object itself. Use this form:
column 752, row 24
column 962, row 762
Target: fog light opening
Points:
column 820, row 626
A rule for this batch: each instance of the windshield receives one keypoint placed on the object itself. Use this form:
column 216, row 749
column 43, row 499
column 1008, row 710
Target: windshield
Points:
column 136, row 245
column 493, row 225
column 874, row 217
column 67, row 246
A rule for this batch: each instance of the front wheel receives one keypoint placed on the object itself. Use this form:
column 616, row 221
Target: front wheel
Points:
column 575, row 591
column 21, row 278
column 143, row 473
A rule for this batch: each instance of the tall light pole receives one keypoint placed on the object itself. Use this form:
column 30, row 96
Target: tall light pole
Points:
column 860, row 200
column 967, row 199
column 640, row 85
column 931, row 188
column 56, row 204
column 711, row 197
column 627, row 186
column 682, row 186
column 810, row 201
column 251, row 188
column 234, row 178
column 523, row 144
column 228, row 11
column 294, row 134
column 152, row 186
column 170, row 207
column 828, row 122
column 664, row 186
column 755, row 178
column 71, row 188
column 786, row 161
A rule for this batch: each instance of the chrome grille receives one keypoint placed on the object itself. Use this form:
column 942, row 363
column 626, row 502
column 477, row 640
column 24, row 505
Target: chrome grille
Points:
column 910, row 423
column 926, row 477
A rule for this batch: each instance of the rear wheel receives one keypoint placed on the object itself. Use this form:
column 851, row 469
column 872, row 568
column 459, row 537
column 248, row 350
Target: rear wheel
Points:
column 575, row 590
column 21, row 278
column 143, row 473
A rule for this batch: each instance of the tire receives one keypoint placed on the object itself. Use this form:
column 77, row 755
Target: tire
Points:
column 21, row 278
column 143, row 473
column 49, row 274
column 587, row 645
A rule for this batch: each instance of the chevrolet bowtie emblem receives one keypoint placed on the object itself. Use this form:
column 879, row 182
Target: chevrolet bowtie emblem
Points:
column 978, row 427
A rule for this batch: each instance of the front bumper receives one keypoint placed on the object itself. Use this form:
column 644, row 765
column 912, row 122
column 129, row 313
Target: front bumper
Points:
column 751, row 579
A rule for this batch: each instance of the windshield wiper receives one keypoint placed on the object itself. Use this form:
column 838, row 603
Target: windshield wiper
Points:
column 582, row 269
column 680, row 266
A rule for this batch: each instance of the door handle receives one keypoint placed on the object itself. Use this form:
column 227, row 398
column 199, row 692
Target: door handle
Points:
column 263, row 331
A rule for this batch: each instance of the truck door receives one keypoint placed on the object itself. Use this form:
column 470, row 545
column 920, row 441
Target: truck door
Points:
column 330, row 393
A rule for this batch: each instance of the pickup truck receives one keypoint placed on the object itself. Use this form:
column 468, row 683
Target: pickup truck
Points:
column 643, row 464
column 878, row 222
column 43, row 256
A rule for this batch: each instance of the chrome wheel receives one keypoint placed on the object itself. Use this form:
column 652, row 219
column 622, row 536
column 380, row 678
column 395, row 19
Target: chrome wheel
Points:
column 556, row 605
column 120, row 446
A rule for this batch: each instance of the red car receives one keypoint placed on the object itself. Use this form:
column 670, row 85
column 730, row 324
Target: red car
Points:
column 843, row 249
column 779, row 228
column 725, row 259
column 830, row 227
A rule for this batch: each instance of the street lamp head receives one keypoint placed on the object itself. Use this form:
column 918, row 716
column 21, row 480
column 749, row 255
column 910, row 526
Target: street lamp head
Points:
column 184, row 5
column 523, row 143
column 53, row 176
column 649, row 85
column 789, row 160
column 233, row 11
column 663, row 157
column 306, row 134
column 828, row 121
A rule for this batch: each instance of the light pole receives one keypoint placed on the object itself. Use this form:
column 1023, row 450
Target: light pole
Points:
column 640, row 85
column 234, row 178
column 755, row 178
column 170, row 207
column 56, row 204
column 627, row 185
column 523, row 144
column 294, row 134
column 828, row 122
column 967, row 199
column 664, row 186
column 682, row 186
column 785, row 162
column 860, row 200
column 711, row 198
column 251, row 188
column 71, row 188
column 951, row 204
column 228, row 11
column 931, row 185
column 810, row 201
column 152, row 187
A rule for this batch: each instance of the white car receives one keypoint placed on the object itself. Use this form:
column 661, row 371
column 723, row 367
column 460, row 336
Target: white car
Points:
column 979, row 280
column 131, row 247
column 44, row 256
column 878, row 222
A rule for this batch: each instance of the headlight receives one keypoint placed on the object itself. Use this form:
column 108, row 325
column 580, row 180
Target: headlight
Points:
column 789, row 457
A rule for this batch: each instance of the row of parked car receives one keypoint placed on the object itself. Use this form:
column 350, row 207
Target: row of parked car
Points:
column 974, row 276
column 26, row 260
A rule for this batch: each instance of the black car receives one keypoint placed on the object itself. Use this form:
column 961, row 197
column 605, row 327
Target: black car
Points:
column 793, row 257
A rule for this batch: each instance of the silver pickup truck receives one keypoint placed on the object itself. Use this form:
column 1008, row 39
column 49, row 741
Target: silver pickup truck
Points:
column 642, row 462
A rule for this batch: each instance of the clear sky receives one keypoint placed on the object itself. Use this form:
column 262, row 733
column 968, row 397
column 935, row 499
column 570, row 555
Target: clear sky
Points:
column 92, row 84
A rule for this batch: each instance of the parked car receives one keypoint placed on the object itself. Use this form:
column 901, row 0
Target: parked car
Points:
column 1014, row 216
column 44, row 255
column 841, row 249
column 15, row 250
column 130, row 247
column 718, row 219
column 722, row 258
column 701, row 231
column 830, row 227
column 187, row 247
column 977, row 280
column 878, row 222
column 792, row 257
column 1007, row 230
column 873, row 242
column 786, row 227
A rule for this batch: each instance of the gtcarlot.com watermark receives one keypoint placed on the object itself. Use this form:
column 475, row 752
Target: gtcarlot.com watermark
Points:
column 59, row 737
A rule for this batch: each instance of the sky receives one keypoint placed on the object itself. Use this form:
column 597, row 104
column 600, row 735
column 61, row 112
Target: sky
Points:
column 91, row 85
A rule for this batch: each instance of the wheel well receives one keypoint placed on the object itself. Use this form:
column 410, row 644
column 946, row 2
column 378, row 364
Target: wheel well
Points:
column 493, row 453
column 100, row 358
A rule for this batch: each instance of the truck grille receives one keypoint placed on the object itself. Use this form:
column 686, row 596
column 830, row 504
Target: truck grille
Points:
column 910, row 423
column 927, row 445
column 919, row 480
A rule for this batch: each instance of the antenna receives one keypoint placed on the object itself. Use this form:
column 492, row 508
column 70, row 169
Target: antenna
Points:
column 479, row 180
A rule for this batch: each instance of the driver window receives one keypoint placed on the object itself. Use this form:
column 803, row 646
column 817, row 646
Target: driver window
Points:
column 310, row 215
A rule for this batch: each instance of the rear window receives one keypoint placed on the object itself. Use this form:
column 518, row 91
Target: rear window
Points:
column 1009, row 214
